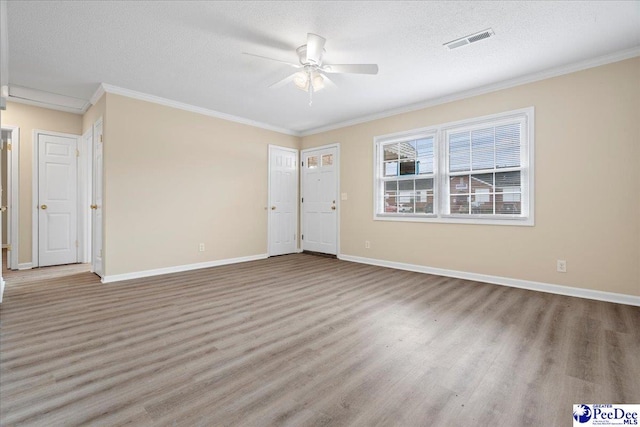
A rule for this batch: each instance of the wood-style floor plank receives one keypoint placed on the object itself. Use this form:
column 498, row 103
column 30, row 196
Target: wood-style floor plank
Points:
column 304, row 340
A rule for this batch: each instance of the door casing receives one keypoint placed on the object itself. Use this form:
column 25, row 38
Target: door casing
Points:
column 12, row 191
column 97, row 198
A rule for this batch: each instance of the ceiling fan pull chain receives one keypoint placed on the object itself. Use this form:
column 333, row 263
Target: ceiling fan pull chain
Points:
column 310, row 87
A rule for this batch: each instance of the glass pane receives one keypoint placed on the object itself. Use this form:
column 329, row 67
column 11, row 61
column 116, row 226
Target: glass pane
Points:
column 507, row 179
column 459, row 184
column 482, row 148
column 391, row 186
column 459, row 204
column 391, row 169
column 424, row 203
column 482, row 202
column 481, row 182
column 407, row 150
column 510, row 194
column 390, row 200
column 390, row 152
column 405, row 185
column 459, row 151
column 327, row 159
column 312, row 162
column 424, row 184
column 508, row 208
column 407, row 167
column 424, row 153
column 508, row 145
column 405, row 204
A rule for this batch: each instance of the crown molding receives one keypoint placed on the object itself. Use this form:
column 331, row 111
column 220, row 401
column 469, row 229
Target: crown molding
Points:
column 96, row 95
column 518, row 81
column 47, row 105
column 188, row 107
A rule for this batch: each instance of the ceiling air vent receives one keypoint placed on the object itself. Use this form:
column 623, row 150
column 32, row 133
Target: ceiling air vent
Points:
column 472, row 38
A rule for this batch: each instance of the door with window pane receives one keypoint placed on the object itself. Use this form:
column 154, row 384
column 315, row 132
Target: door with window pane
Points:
column 319, row 200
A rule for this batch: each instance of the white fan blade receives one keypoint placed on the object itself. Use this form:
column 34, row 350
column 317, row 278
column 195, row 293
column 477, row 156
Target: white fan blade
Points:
column 273, row 59
column 351, row 68
column 283, row 82
column 328, row 82
column 315, row 47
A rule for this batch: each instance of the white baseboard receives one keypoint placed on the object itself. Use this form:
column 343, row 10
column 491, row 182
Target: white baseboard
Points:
column 505, row 281
column 179, row 268
column 25, row 266
column 2, row 283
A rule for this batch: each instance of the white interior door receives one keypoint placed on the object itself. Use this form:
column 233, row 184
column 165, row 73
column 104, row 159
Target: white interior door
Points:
column 97, row 205
column 1, row 216
column 283, row 200
column 57, row 200
column 319, row 200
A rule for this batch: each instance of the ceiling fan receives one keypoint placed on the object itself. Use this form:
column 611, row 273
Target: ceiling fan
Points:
column 312, row 75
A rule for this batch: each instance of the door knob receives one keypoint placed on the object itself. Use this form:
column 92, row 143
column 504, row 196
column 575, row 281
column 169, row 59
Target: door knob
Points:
column 273, row 208
column 333, row 208
column 94, row 206
column 43, row 207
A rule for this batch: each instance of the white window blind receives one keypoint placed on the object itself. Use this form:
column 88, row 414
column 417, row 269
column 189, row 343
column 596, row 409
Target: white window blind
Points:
column 485, row 169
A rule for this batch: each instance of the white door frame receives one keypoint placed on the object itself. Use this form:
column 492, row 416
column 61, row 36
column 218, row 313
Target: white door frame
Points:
column 99, row 225
column 85, row 195
column 12, row 190
column 269, row 204
column 35, row 262
column 335, row 145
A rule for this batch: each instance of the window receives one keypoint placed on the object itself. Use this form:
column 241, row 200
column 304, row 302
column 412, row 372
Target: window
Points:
column 473, row 171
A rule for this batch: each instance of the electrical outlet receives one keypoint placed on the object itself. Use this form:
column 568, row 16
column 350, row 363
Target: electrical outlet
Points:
column 201, row 247
column 562, row 266
column 367, row 244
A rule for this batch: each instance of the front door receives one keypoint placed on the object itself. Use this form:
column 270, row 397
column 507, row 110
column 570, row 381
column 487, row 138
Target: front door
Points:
column 283, row 200
column 319, row 200
column 57, row 200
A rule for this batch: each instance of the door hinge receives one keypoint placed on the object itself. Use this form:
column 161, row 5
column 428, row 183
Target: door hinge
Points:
column 302, row 163
column 77, row 153
column 100, row 137
column 303, row 200
column 8, row 247
column 302, row 237
column 8, row 147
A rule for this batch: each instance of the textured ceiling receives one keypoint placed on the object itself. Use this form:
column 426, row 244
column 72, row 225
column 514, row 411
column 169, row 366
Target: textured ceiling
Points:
column 191, row 51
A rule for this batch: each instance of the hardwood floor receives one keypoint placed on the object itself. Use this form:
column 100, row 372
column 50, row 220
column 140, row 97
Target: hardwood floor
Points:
column 305, row 340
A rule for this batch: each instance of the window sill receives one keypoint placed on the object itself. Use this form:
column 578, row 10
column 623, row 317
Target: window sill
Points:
column 457, row 219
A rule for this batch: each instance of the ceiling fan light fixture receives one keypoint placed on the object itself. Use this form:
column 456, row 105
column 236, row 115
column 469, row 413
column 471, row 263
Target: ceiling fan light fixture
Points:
column 317, row 81
column 301, row 80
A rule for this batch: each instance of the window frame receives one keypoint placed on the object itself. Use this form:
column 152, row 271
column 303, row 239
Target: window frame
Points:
column 441, row 174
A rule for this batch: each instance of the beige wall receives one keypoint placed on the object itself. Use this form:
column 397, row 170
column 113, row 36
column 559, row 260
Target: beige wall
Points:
column 28, row 118
column 587, row 187
column 174, row 179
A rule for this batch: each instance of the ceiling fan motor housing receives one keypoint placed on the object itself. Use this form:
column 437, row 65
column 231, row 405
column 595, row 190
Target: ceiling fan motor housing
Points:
column 302, row 56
